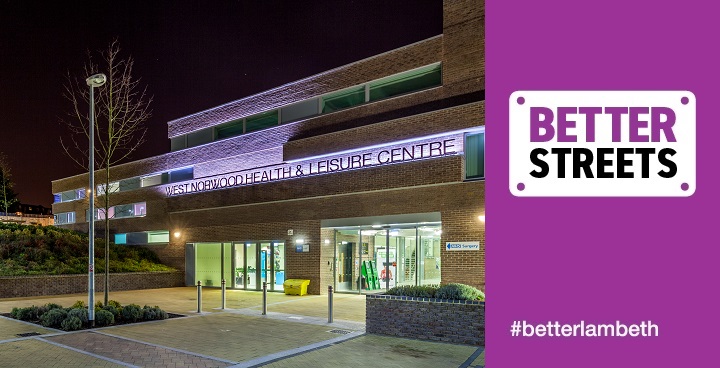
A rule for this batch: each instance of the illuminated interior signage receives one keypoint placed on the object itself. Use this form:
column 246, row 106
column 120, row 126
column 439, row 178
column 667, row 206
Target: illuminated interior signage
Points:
column 360, row 159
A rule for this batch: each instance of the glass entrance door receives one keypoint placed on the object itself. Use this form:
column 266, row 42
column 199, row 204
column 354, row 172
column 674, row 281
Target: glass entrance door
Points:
column 258, row 262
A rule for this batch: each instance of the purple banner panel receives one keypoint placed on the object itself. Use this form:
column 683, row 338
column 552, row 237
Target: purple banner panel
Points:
column 604, row 281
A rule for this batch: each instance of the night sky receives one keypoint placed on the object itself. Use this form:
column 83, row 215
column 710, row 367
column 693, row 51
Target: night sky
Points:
column 192, row 55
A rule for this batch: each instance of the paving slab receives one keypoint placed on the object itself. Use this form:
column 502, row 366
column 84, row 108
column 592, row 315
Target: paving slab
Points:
column 380, row 351
column 36, row 353
column 10, row 328
column 229, row 336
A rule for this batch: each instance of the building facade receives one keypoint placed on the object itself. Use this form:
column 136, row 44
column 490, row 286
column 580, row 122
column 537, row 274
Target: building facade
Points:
column 362, row 177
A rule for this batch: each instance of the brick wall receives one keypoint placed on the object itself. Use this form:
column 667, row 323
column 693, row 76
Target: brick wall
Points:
column 24, row 286
column 459, row 322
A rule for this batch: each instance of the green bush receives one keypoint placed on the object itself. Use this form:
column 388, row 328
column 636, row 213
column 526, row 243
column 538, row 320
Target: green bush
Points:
column 51, row 306
column 153, row 313
column 78, row 304
column 459, row 292
column 104, row 318
column 112, row 310
column 115, row 304
column 422, row 291
column 80, row 313
column 53, row 318
column 71, row 323
column 24, row 314
column 39, row 311
column 131, row 313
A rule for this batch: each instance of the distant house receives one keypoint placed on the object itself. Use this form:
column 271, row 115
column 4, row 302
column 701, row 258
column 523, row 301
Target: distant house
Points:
column 28, row 214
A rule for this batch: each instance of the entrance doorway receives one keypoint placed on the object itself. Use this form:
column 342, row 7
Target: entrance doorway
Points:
column 257, row 262
column 375, row 258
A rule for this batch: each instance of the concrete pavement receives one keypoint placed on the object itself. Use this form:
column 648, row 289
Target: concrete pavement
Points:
column 294, row 333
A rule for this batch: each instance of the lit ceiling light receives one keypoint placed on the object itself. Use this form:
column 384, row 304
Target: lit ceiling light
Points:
column 376, row 226
column 394, row 233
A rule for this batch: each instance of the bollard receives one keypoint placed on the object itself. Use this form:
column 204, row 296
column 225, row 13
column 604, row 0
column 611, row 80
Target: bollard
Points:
column 223, row 294
column 199, row 286
column 330, row 304
column 264, row 312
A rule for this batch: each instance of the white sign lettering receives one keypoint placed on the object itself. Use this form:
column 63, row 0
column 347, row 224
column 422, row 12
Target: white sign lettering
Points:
column 462, row 246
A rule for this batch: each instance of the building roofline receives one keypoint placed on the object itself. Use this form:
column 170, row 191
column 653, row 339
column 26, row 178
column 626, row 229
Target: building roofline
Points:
column 300, row 80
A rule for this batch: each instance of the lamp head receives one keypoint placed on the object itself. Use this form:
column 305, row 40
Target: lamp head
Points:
column 96, row 80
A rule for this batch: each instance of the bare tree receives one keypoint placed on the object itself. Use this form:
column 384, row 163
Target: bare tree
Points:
column 123, row 107
column 8, row 197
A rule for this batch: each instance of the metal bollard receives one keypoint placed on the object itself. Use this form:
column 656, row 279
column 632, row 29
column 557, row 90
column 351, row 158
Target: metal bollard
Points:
column 264, row 312
column 199, row 286
column 330, row 304
column 223, row 294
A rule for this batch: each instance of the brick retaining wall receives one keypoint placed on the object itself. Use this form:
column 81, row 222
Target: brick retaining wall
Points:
column 455, row 321
column 22, row 286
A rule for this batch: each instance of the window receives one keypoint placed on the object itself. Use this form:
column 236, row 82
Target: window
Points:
column 200, row 137
column 406, row 82
column 129, row 184
column 177, row 143
column 231, row 129
column 181, row 175
column 153, row 180
column 261, row 121
column 121, row 211
column 475, row 156
column 145, row 237
column 114, row 188
column 343, row 99
column 300, row 110
column 64, row 218
column 69, row 195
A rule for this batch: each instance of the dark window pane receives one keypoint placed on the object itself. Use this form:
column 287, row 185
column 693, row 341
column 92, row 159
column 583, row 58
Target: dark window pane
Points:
column 177, row 143
column 406, row 82
column 129, row 184
column 475, row 156
column 181, row 175
column 231, row 129
column 343, row 99
column 200, row 137
column 300, row 110
column 261, row 121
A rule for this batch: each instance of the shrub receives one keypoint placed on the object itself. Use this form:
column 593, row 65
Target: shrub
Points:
column 153, row 313
column 78, row 304
column 104, row 318
column 112, row 310
column 71, row 323
column 459, row 292
column 114, row 304
column 131, row 313
column 80, row 313
column 39, row 311
column 422, row 291
column 53, row 317
column 23, row 314
column 51, row 306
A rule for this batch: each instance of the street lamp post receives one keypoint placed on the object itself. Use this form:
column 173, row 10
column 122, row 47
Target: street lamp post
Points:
column 93, row 81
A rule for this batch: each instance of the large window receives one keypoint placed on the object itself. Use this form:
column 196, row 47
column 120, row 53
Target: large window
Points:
column 343, row 99
column 411, row 81
column 121, row 211
column 69, row 195
column 231, row 129
column 144, row 237
column 64, row 218
column 261, row 121
column 475, row 156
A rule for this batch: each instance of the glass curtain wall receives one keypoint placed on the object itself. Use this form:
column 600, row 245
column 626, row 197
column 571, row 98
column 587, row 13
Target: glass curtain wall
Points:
column 371, row 259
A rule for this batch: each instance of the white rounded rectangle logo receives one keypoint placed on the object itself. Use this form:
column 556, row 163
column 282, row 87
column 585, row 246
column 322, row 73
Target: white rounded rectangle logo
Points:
column 602, row 143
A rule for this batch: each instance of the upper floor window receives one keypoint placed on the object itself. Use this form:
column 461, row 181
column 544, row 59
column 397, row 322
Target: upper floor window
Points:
column 69, row 195
column 475, row 156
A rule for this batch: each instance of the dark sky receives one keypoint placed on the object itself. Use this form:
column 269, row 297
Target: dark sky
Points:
column 192, row 55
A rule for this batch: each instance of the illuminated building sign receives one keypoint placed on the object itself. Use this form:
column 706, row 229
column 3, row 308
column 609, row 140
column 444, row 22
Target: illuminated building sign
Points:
column 360, row 159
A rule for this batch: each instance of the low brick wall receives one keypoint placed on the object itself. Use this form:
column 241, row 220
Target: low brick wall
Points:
column 21, row 286
column 455, row 321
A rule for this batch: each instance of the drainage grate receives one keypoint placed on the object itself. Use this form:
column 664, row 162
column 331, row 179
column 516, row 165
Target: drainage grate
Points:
column 28, row 334
column 342, row 332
